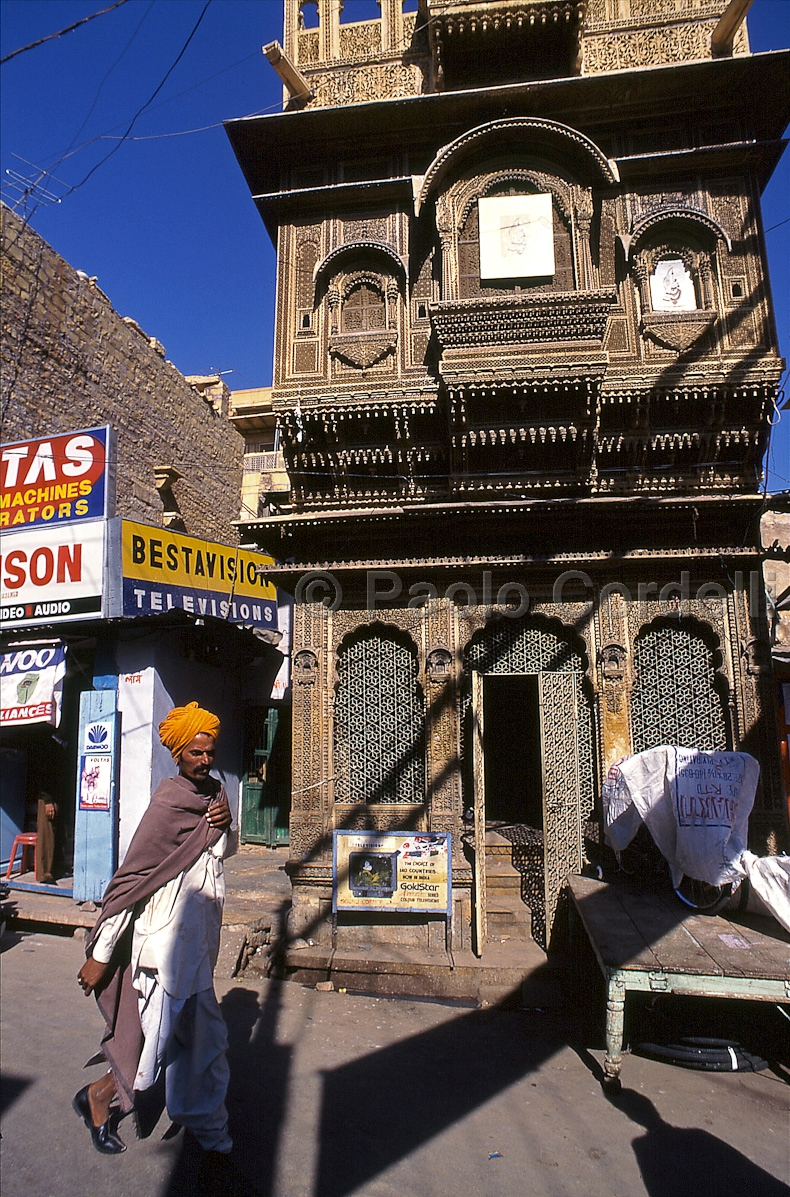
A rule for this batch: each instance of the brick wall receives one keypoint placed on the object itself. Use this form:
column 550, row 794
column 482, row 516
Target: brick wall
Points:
column 70, row 361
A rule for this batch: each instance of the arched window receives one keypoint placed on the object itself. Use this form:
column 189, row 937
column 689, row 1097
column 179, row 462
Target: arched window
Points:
column 308, row 15
column 470, row 284
column 379, row 739
column 677, row 696
column 363, row 309
column 672, row 286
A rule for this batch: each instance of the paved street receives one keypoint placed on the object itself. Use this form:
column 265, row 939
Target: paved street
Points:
column 335, row 1094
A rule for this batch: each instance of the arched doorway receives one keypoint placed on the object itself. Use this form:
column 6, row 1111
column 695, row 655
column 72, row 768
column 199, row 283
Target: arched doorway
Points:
column 528, row 747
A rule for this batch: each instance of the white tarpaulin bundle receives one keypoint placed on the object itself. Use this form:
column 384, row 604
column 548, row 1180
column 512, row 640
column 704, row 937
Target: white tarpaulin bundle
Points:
column 695, row 804
column 769, row 878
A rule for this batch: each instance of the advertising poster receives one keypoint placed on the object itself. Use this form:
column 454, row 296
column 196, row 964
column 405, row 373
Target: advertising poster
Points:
column 51, row 574
column 398, row 871
column 96, row 765
column 162, row 570
column 31, row 684
column 54, row 480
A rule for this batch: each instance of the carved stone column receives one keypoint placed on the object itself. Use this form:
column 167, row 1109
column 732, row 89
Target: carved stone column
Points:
column 444, row 227
column 311, row 780
column 614, row 680
column 442, row 673
column 756, row 717
column 584, row 215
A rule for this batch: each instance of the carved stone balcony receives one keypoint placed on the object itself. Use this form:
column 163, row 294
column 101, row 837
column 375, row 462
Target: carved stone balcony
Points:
column 362, row 350
column 484, row 42
column 677, row 330
column 533, row 328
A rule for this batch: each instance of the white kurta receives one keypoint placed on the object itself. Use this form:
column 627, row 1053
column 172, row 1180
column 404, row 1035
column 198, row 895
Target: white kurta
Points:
column 175, row 944
column 176, row 934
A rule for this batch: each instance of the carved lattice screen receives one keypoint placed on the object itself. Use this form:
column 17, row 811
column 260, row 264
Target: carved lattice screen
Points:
column 379, row 742
column 674, row 699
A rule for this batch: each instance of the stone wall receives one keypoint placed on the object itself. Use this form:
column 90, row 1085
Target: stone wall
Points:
column 69, row 361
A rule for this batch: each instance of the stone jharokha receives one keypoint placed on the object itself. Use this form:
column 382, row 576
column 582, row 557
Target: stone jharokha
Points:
column 525, row 364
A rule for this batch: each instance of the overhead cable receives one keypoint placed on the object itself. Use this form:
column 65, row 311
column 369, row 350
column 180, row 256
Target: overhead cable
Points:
column 60, row 33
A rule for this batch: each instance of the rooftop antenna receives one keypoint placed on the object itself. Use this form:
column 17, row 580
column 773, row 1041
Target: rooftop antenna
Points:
column 21, row 190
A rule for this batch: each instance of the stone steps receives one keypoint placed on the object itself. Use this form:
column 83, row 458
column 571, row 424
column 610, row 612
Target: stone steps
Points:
column 508, row 917
column 506, row 914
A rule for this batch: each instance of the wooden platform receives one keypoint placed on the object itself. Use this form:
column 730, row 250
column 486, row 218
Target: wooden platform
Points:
column 646, row 941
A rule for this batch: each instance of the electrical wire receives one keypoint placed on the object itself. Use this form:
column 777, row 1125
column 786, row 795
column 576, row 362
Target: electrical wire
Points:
column 107, row 74
column 61, row 32
column 180, row 133
column 142, row 109
column 6, row 399
column 277, row 106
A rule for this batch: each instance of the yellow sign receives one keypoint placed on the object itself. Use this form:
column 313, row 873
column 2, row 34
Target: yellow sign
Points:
column 162, row 570
column 377, row 871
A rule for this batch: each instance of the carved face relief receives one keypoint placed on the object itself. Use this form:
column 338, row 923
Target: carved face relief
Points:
column 305, row 667
column 612, row 659
column 757, row 656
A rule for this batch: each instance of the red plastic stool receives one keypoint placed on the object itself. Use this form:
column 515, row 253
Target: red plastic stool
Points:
column 26, row 841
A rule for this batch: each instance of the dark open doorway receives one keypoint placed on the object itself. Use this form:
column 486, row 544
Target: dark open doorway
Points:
column 513, row 773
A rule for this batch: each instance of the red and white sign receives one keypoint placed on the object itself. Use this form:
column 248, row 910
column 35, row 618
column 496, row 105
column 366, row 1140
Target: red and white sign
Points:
column 51, row 574
column 55, row 479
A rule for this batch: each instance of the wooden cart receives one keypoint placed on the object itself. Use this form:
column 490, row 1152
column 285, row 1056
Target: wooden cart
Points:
column 647, row 941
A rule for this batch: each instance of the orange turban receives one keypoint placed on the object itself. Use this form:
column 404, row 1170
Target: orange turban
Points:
column 183, row 724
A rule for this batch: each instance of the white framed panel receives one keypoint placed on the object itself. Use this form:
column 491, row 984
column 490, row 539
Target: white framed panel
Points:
column 516, row 236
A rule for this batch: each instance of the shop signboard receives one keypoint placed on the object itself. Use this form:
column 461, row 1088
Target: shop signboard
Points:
column 51, row 574
column 162, row 570
column 31, row 684
column 55, row 479
column 392, row 871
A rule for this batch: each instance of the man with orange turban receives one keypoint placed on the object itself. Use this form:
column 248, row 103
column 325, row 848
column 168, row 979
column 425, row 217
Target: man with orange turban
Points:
column 151, row 956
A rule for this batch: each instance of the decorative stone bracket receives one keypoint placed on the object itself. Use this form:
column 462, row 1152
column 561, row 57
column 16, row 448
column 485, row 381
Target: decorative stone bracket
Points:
column 362, row 349
column 676, row 330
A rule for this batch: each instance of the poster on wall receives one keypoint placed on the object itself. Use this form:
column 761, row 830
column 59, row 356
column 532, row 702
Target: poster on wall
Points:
column 392, row 871
column 55, row 479
column 96, row 765
column 163, row 570
column 51, row 574
column 31, row 684
column 516, row 236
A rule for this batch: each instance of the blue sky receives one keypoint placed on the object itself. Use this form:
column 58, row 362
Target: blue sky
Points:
column 167, row 224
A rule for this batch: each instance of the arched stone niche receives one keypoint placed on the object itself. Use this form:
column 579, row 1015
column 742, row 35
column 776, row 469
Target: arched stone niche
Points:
column 362, row 286
column 673, row 255
column 457, row 227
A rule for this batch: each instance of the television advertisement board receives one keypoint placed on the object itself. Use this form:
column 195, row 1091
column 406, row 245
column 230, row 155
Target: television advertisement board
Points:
column 52, row 573
column 392, row 871
column 162, row 570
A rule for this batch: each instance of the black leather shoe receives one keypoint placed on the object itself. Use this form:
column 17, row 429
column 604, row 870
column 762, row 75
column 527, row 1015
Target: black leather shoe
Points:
column 104, row 1140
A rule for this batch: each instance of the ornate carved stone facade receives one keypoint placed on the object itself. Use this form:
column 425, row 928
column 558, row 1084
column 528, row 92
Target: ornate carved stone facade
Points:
column 551, row 476
column 451, row 44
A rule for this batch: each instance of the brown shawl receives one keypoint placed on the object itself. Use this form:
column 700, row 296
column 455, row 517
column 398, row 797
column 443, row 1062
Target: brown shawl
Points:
column 170, row 837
